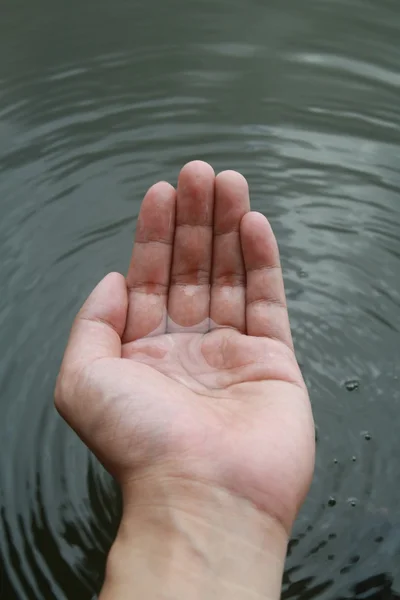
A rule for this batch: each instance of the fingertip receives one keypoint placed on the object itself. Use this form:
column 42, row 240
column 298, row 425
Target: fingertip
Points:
column 254, row 220
column 156, row 219
column 113, row 278
column 232, row 201
column 158, row 204
column 161, row 190
column 108, row 302
column 198, row 169
column 113, row 282
column 230, row 177
column 259, row 244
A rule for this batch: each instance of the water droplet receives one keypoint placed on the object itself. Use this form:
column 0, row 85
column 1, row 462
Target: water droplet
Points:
column 332, row 501
column 351, row 385
column 352, row 501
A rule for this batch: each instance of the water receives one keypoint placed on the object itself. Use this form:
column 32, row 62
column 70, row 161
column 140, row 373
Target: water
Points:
column 98, row 100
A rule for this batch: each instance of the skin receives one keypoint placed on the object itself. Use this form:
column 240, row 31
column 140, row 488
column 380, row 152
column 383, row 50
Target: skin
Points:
column 182, row 379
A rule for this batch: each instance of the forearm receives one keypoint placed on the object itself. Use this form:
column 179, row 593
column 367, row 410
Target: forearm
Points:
column 182, row 540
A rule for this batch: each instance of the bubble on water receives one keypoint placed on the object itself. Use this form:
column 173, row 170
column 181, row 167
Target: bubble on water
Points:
column 354, row 458
column 366, row 435
column 332, row 501
column 352, row 385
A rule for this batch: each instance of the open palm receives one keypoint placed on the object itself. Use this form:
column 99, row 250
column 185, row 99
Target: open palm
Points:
column 187, row 367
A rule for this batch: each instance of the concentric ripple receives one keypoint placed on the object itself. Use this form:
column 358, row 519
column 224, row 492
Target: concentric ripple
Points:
column 100, row 100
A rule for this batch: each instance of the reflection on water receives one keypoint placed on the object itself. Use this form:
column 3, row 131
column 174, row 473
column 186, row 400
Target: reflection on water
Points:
column 98, row 101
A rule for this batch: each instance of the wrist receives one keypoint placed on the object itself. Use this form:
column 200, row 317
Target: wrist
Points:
column 186, row 539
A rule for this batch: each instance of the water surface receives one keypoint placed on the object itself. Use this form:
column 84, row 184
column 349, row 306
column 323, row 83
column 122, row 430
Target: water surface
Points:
column 98, row 100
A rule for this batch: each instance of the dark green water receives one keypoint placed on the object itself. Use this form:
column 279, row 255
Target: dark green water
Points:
column 98, row 100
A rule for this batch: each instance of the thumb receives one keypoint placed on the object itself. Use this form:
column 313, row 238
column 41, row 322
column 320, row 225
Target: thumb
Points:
column 98, row 327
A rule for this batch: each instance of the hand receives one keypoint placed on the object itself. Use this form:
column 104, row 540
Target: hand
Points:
column 186, row 369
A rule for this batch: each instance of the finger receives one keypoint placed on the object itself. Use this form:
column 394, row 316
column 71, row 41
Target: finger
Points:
column 189, row 294
column 149, row 271
column 228, row 289
column 266, row 309
column 95, row 335
column 97, row 329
